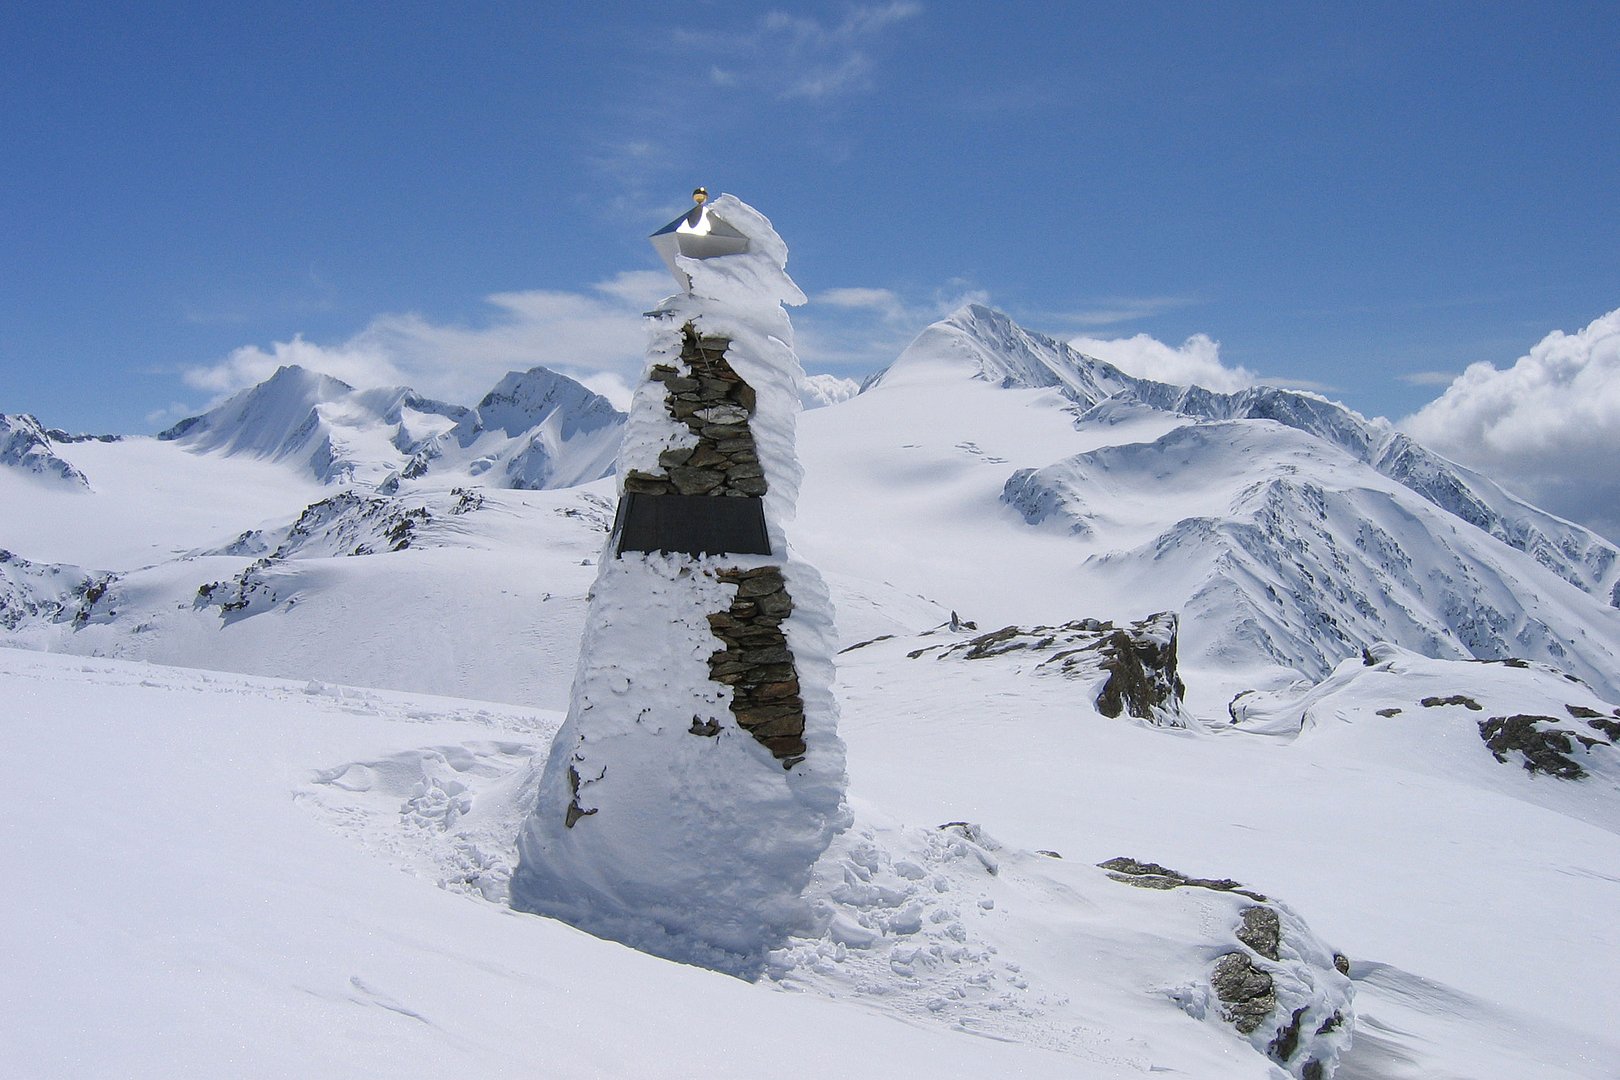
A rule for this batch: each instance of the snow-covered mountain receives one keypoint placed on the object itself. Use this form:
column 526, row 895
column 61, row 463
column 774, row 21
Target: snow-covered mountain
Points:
column 25, row 446
column 537, row 429
column 986, row 513
column 1288, row 531
column 1007, row 354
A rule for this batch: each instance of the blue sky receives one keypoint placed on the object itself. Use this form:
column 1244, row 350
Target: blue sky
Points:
column 1358, row 198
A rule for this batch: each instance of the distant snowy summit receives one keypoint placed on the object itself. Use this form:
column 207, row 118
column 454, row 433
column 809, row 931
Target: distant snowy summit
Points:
column 535, row 429
column 26, row 447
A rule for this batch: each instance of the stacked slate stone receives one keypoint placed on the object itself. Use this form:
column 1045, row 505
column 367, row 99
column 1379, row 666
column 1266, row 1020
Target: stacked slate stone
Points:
column 757, row 664
column 714, row 403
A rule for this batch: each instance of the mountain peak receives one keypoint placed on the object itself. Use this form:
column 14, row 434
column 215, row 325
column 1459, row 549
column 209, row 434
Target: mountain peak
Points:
column 26, row 446
column 987, row 344
column 523, row 399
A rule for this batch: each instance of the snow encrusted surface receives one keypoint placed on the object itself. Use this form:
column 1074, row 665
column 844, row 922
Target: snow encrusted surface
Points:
column 659, row 821
column 692, row 847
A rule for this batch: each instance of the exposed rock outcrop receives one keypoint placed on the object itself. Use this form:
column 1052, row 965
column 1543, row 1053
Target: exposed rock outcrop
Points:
column 1280, row 988
column 26, row 447
column 1541, row 746
column 1132, row 669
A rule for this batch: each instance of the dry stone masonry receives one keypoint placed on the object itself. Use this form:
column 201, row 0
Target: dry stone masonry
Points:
column 715, row 404
column 757, row 664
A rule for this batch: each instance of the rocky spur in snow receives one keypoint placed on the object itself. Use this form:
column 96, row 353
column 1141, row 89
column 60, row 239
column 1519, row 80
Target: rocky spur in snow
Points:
column 26, row 447
column 34, row 593
column 348, row 524
column 1467, row 717
column 938, row 924
column 1280, row 987
column 1128, row 670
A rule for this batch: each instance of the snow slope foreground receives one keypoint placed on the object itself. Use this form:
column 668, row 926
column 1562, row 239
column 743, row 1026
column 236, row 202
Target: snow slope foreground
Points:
column 314, row 887
column 217, row 874
column 187, row 901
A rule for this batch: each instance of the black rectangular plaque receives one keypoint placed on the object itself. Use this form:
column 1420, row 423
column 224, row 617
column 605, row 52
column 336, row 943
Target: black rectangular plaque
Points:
column 691, row 524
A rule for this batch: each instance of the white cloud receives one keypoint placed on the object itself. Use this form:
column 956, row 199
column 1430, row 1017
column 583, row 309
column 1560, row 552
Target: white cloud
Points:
column 1548, row 427
column 799, row 56
column 354, row 363
column 595, row 335
column 884, row 301
column 1195, row 362
column 1427, row 378
column 1120, row 309
column 856, row 330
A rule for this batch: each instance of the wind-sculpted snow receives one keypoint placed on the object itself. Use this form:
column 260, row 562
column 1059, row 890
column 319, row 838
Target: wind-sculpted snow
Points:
column 683, row 806
column 749, row 829
column 1295, row 554
column 26, row 447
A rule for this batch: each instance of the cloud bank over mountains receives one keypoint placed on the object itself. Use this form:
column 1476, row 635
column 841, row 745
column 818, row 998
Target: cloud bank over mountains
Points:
column 1547, row 427
column 592, row 335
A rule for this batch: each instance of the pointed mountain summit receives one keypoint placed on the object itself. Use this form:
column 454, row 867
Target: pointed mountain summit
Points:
column 535, row 429
column 988, row 344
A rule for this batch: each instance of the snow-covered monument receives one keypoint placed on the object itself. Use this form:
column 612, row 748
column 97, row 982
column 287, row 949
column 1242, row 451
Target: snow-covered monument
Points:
column 699, row 774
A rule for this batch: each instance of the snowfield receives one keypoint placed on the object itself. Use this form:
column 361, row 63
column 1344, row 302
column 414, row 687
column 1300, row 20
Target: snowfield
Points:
column 269, row 743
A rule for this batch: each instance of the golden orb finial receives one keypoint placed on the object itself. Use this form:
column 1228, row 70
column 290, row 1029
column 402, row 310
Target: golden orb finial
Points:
column 700, row 195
